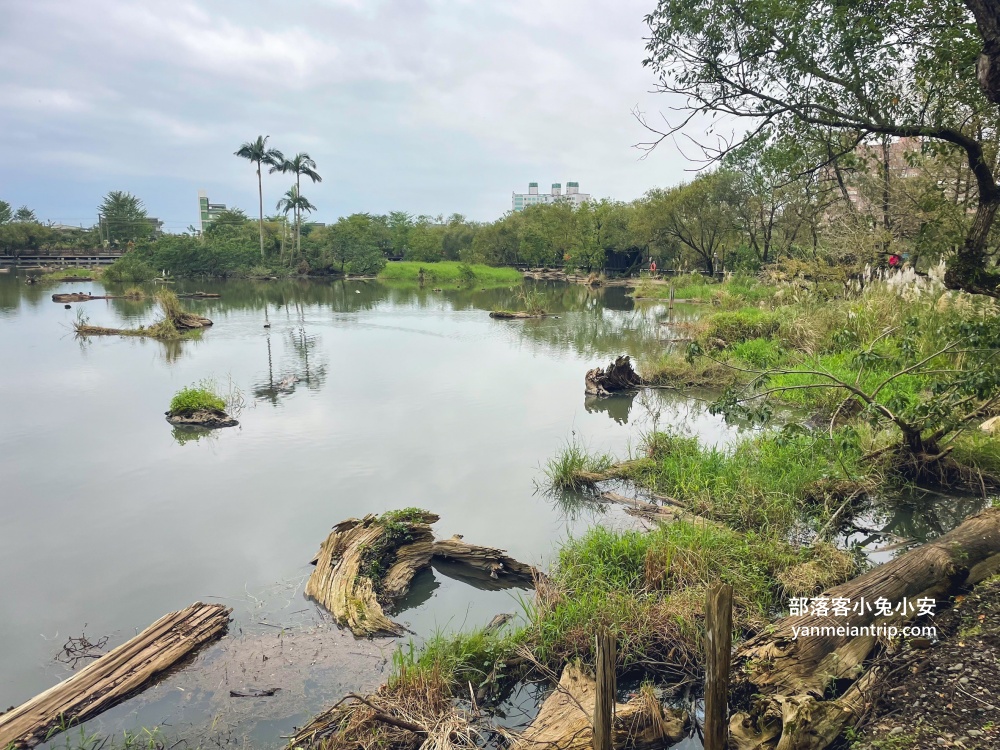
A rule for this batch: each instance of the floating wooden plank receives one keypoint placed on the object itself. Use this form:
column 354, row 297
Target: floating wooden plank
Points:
column 114, row 676
column 565, row 719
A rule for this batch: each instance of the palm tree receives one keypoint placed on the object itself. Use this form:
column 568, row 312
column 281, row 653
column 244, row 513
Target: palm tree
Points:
column 292, row 200
column 258, row 153
column 300, row 164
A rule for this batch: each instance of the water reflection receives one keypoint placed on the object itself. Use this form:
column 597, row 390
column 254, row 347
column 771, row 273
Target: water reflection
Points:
column 617, row 407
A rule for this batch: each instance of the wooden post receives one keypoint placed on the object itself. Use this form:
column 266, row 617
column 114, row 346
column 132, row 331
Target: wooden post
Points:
column 718, row 645
column 604, row 705
column 670, row 304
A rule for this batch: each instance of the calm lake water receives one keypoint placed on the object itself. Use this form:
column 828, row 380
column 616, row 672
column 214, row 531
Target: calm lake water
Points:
column 404, row 397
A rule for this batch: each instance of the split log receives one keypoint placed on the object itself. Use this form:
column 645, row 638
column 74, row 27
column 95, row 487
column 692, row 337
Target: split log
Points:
column 114, row 676
column 494, row 562
column 565, row 719
column 667, row 513
column 617, row 378
column 790, row 674
column 347, row 581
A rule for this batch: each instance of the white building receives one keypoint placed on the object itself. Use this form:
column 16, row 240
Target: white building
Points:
column 573, row 195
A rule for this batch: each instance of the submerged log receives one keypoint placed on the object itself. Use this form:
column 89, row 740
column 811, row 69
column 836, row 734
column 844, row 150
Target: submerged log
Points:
column 114, row 676
column 791, row 668
column 617, row 378
column 669, row 512
column 515, row 315
column 494, row 562
column 565, row 719
column 210, row 419
column 78, row 297
column 346, row 580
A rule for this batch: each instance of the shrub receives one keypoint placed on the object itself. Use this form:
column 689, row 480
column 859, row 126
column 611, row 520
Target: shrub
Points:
column 742, row 325
column 130, row 268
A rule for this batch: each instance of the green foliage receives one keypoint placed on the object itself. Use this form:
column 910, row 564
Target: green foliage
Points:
column 353, row 245
column 196, row 398
column 648, row 588
column 130, row 268
column 6, row 212
column 123, row 218
column 758, row 353
column 25, row 215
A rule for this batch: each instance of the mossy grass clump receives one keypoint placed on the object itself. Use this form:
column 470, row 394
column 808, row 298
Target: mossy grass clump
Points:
column 566, row 470
column 196, row 398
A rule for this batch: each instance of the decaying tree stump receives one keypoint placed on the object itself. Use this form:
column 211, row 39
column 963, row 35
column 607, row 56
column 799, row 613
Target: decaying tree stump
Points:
column 565, row 719
column 791, row 674
column 114, row 676
column 365, row 564
column 617, row 378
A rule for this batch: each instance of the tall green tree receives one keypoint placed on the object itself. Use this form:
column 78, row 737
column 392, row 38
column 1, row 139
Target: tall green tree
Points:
column 857, row 71
column 296, row 203
column 25, row 215
column 6, row 212
column 301, row 165
column 258, row 153
column 123, row 217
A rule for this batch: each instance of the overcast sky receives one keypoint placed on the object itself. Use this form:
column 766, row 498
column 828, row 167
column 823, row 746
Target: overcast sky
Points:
column 427, row 106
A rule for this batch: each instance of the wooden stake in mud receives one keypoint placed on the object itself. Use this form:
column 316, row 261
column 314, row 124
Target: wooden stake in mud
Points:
column 718, row 645
column 604, row 706
column 670, row 304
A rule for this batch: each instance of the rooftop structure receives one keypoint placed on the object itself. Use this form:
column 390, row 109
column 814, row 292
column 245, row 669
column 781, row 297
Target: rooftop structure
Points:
column 520, row 201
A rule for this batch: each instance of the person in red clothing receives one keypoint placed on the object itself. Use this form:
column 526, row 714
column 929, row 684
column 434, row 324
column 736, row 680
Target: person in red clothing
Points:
column 894, row 260
column 652, row 267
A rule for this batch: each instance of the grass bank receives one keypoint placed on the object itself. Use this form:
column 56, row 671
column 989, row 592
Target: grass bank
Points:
column 450, row 273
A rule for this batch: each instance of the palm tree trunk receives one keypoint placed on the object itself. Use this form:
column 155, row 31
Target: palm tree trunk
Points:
column 260, row 221
column 298, row 217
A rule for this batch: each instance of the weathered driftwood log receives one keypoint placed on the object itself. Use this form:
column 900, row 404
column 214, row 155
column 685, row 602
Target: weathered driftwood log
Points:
column 515, row 315
column 210, row 419
column 494, row 562
column 790, row 668
column 618, row 377
column 565, row 719
column 198, row 295
column 669, row 512
column 114, row 676
column 367, row 563
column 78, row 297
column 621, row 470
